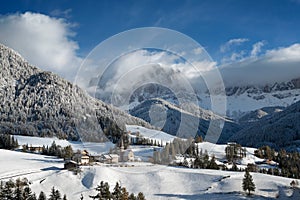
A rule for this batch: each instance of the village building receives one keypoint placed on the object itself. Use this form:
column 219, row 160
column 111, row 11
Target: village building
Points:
column 109, row 158
column 36, row 149
column 82, row 157
column 70, row 164
column 125, row 155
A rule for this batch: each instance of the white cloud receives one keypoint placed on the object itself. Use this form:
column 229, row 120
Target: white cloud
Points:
column 198, row 51
column 256, row 48
column 144, row 66
column 237, row 41
column 235, row 56
column 42, row 40
column 288, row 54
column 275, row 65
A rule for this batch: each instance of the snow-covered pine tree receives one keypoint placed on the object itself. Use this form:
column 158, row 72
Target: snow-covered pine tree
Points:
column 117, row 192
column 42, row 196
column 140, row 196
column 248, row 183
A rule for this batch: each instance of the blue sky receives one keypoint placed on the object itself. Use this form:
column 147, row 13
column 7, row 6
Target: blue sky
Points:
column 229, row 30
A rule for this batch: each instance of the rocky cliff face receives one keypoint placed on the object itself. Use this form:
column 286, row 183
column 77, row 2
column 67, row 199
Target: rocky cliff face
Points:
column 34, row 102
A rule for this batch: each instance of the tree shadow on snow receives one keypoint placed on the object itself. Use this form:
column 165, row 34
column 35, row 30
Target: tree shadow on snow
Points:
column 53, row 168
column 214, row 196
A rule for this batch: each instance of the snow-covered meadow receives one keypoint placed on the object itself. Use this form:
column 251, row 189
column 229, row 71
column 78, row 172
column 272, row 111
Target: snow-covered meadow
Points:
column 155, row 181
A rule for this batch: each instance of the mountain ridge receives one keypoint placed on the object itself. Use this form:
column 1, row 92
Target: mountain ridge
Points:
column 35, row 102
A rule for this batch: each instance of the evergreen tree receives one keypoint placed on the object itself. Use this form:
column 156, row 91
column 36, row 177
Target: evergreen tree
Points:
column 117, row 193
column 27, row 194
column 248, row 184
column 106, row 192
column 68, row 152
column 18, row 190
column 1, row 190
column 185, row 162
column 131, row 197
column 55, row 194
column 140, row 196
column 212, row 163
column 42, row 196
column 8, row 190
column 81, row 197
column 125, row 194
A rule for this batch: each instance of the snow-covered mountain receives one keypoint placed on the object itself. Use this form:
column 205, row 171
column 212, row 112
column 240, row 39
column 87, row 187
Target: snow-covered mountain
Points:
column 281, row 129
column 184, row 121
column 258, row 114
column 241, row 97
column 34, row 102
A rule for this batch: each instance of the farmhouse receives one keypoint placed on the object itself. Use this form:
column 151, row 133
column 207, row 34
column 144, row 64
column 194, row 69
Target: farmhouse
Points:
column 70, row 164
column 82, row 157
column 36, row 149
column 109, row 158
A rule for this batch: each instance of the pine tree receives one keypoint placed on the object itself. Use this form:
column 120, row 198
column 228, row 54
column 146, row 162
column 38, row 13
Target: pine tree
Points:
column 8, row 190
column 65, row 197
column 212, row 163
column 68, row 152
column 116, row 194
column 106, row 192
column 131, row 197
column 42, row 196
column 140, row 196
column 18, row 193
column 248, row 184
column 125, row 194
column 185, row 162
column 55, row 194
column 27, row 194
column 1, row 190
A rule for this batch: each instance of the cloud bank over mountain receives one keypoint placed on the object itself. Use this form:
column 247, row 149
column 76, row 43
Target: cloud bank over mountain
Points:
column 48, row 43
column 276, row 65
column 43, row 40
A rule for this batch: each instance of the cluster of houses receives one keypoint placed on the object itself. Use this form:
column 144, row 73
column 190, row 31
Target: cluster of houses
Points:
column 85, row 158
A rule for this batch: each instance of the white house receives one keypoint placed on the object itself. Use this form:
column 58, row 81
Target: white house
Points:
column 127, row 156
column 82, row 157
column 109, row 158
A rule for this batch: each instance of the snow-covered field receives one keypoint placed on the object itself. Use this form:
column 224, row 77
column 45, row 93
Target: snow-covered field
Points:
column 89, row 146
column 155, row 181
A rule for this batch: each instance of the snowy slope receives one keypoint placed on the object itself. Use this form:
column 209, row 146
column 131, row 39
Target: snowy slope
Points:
column 89, row 146
column 155, row 181
column 151, row 133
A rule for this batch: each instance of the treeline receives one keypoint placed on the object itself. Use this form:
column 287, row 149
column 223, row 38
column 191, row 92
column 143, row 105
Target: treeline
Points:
column 288, row 162
column 193, row 156
column 234, row 151
column 8, row 142
column 201, row 161
column 53, row 150
column 20, row 190
column 118, row 193
column 178, row 146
